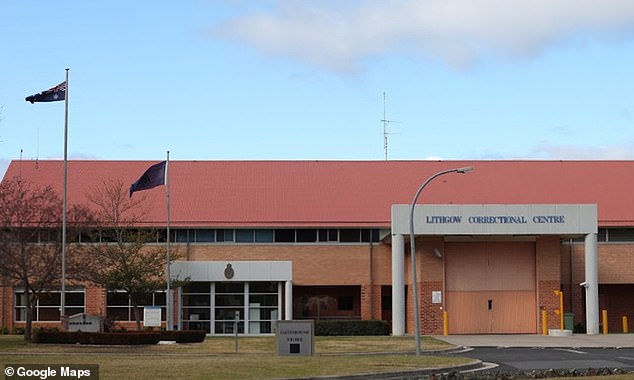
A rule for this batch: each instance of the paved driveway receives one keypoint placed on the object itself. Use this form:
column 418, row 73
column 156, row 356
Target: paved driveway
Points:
column 534, row 340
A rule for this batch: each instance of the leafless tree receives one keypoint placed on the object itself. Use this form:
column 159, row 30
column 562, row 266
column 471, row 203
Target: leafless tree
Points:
column 127, row 261
column 317, row 303
column 30, row 240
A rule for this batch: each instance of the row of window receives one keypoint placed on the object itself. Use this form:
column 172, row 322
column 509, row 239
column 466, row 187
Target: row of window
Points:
column 219, row 235
column 47, row 307
column 215, row 306
column 280, row 235
column 204, row 304
column 253, row 235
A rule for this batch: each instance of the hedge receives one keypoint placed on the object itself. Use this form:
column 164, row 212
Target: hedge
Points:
column 184, row 336
column 117, row 338
column 348, row 328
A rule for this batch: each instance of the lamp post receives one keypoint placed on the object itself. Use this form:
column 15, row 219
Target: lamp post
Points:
column 412, row 244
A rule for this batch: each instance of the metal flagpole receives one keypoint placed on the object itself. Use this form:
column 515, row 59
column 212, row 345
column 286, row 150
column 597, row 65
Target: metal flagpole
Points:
column 169, row 296
column 64, row 203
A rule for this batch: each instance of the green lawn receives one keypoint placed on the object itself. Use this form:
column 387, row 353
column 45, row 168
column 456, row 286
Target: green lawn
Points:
column 256, row 359
column 216, row 358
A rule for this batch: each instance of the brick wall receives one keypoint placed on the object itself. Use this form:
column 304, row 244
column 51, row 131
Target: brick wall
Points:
column 6, row 308
column 431, row 313
column 312, row 264
column 618, row 300
column 616, row 267
column 371, row 302
column 95, row 301
column 548, row 260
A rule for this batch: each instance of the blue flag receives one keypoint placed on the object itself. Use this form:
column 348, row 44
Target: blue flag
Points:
column 154, row 176
column 51, row 95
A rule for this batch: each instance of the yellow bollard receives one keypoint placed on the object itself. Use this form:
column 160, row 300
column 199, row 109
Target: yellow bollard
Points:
column 560, row 311
column 625, row 329
column 445, row 321
column 544, row 322
column 604, row 317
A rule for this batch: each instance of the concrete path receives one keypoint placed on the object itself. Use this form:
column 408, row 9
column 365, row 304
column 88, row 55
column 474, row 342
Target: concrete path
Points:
column 534, row 340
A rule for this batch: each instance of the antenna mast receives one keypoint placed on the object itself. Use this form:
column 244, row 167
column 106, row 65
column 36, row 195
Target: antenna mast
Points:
column 385, row 122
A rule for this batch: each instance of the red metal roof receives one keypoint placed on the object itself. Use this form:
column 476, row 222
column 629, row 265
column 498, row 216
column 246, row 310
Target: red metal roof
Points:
column 343, row 193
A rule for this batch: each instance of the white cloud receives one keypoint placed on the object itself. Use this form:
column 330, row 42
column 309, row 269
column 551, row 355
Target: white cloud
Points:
column 573, row 152
column 341, row 35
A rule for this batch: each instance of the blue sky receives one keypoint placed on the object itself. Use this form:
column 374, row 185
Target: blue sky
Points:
column 237, row 80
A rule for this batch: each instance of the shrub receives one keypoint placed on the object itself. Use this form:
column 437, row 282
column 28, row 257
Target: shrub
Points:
column 62, row 337
column 117, row 338
column 184, row 336
column 348, row 328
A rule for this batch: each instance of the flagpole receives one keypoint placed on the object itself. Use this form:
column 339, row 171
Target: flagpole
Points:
column 64, row 203
column 169, row 296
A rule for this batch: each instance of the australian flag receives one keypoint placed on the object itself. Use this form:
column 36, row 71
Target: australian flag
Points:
column 153, row 177
column 51, row 95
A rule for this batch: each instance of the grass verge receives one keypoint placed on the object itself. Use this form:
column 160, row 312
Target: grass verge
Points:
column 216, row 358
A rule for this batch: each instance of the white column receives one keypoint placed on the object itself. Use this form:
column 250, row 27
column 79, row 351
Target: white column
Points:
column 280, row 299
column 398, row 285
column 288, row 301
column 179, row 316
column 592, row 284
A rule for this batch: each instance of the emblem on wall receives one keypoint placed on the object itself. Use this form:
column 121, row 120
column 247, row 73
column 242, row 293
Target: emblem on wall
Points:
column 229, row 272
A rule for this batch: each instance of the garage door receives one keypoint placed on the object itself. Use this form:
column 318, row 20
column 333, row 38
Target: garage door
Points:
column 490, row 287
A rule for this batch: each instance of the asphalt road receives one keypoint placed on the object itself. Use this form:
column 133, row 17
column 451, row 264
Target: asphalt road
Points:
column 510, row 359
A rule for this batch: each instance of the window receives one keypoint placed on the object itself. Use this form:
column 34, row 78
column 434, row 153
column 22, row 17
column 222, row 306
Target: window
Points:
column 263, row 236
column 119, row 307
column 204, row 236
column 47, row 307
column 306, row 236
column 285, row 236
column 345, row 303
column 213, row 306
column 368, row 236
column 197, row 306
column 619, row 234
column 351, row 235
column 244, row 236
column 262, row 307
column 182, row 236
column 229, row 300
column 224, row 235
column 331, row 235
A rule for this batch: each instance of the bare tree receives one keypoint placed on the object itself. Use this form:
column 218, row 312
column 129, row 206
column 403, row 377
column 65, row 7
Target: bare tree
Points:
column 30, row 240
column 127, row 262
column 317, row 303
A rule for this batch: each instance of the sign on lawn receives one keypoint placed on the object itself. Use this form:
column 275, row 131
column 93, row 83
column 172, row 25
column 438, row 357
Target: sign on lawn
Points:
column 295, row 338
column 84, row 322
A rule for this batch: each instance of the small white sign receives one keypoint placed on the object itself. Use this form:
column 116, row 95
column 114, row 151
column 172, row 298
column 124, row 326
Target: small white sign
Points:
column 436, row 296
column 152, row 316
column 84, row 322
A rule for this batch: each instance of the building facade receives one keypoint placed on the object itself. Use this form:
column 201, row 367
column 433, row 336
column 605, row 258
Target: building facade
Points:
column 268, row 240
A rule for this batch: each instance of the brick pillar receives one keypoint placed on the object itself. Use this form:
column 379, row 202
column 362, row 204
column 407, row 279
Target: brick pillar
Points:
column 370, row 302
column 6, row 307
column 96, row 301
column 550, row 302
column 367, row 293
column 431, row 314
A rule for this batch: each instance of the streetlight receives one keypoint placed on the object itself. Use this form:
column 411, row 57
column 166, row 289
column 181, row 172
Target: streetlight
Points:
column 412, row 244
